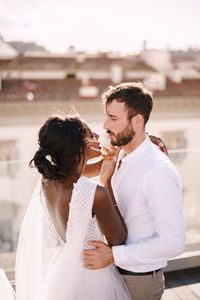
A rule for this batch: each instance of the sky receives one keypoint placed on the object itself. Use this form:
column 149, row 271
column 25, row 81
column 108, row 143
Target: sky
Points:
column 103, row 25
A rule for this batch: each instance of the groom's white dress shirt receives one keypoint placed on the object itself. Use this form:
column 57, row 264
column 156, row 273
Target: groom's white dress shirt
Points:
column 148, row 191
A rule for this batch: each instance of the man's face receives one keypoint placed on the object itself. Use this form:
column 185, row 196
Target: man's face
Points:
column 117, row 125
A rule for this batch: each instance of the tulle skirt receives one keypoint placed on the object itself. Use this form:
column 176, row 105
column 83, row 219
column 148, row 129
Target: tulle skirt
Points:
column 102, row 284
column 6, row 290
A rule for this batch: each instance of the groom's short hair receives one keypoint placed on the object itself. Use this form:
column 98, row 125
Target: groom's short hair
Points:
column 137, row 98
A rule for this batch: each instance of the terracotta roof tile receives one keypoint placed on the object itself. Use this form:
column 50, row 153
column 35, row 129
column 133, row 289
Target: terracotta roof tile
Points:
column 103, row 63
column 38, row 63
column 102, row 84
column 63, row 89
column 16, row 90
column 187, row 87
column 22, row 63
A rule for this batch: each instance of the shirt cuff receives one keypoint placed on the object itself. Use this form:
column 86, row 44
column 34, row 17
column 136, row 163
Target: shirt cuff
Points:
column 119, row 255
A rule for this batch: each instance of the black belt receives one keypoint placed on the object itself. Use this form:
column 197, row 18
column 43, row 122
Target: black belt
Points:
column 126, row 272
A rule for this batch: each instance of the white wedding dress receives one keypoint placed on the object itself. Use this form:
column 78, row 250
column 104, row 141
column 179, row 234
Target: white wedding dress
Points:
column 47, row 268
column 6, row 290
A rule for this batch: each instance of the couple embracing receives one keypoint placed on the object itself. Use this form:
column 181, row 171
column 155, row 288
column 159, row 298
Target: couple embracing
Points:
column 81, row 240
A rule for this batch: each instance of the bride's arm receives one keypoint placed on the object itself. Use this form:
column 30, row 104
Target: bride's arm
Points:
column 105, row 206
column 113, row 227
column 93, row 169
column 109, row 217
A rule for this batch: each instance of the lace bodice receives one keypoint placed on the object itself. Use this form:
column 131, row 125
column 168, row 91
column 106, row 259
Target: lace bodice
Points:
column 81, row 205
column 93, row 233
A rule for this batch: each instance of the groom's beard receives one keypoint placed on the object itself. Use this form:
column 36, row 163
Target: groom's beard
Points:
column 124, row 137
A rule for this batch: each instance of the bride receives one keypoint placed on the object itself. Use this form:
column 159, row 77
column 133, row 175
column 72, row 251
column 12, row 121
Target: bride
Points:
column 66, row 211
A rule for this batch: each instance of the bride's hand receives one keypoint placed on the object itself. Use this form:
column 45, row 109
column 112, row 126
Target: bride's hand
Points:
column 93, row 148
column 108, row 165
column 159, row 143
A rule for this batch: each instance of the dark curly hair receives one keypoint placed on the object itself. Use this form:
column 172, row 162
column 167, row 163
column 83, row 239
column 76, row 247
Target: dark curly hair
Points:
column 62, row 144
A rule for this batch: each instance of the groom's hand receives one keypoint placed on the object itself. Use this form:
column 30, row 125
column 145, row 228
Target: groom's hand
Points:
column 97, row 258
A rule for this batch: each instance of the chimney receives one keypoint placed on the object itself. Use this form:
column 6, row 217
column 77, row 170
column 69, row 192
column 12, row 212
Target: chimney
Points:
column 116, row 73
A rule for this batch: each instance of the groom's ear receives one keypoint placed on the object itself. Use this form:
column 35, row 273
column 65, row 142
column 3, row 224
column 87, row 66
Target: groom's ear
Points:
column 137, row 122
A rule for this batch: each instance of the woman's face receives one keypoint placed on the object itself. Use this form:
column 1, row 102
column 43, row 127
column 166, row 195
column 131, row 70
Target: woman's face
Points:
column 93, row 148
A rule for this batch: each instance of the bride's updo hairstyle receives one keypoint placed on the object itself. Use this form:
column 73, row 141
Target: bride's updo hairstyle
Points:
column 62, row 144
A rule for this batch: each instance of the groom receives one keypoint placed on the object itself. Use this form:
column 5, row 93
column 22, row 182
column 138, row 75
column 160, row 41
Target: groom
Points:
column 148, row 191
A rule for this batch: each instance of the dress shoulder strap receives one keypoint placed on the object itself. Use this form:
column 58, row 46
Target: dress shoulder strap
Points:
column 80, row 212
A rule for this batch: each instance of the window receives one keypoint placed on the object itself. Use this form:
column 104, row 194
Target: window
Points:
column 71, row 75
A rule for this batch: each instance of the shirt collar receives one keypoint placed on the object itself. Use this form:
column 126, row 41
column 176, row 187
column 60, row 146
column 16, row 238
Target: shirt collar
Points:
column 135, row 152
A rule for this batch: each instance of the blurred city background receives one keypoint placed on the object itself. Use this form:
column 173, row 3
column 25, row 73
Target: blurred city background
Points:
column 62, row 55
